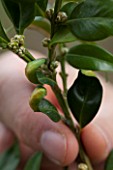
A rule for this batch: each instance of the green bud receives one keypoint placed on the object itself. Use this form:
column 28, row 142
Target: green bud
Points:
column 36, row 96
column 31, row 69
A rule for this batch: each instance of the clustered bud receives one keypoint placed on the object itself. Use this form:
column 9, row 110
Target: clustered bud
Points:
column 61, row 17
column 16, row 44
column 82, row 166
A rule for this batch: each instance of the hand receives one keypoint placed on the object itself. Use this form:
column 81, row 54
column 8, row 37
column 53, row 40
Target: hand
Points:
column 36, row 131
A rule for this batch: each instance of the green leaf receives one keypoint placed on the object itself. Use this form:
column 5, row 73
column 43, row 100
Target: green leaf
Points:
column 9, row 159
column 70, row 6
column 43, row 79
column 90, row 57
column 3, row 43
column 34, row 162
column 84, row 98
column 47, row 108
column 3, row 34
column 92, row 20
column 109, row 162
column 20, row 12
column 42, row 23
column 63, row 35
column 42, row 5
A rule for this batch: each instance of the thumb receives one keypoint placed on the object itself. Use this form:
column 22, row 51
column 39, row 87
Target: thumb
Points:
column 34, row 129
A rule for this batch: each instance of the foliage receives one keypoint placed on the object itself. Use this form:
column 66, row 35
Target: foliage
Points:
column 79, row 21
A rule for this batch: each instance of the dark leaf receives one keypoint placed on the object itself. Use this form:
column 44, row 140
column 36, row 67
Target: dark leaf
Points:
column 90, row 57
column 84, row 98
column 47, row 108
column 20, row 12
column 70, row 6
column 109, row 161
column 34, row 162
column 92, row 20
column 63, row 35
column 44, row 79
column 42, row 4
column 9, row 159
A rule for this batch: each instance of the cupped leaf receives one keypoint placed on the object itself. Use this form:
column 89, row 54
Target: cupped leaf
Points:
column 32, row 67
column 43, row 79
column 42, row 23
column 90, row 57
column 63, row 35
column 92, row 20
column 49, row 109
column 109, row 162
column 34, row 163
column 20, row 12
column 9, row 160
column 84, row 98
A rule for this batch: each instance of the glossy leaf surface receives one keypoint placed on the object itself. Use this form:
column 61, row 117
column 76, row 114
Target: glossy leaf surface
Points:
column 49, row 109
column 9, row 160
column 84, row 98
column 70, row 6
column 20, row 12
column 42, row 23
column 63, row 35
column 92, row 20
column 90, row 57
column 109, row 161
column 34, row 162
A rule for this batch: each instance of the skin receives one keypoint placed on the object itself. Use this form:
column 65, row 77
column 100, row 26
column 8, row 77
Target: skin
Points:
column 36, row 131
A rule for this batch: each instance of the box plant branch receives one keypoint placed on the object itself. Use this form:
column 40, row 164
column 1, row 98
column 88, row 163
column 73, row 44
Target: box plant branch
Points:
column 82, row 22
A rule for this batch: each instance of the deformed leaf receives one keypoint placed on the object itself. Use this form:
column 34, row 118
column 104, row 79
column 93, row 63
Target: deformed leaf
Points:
column 42, row 23
column 34, row 162
column 63, row 35
column 84, row 98
column 20, row 12
column 9, row 160
column 109, row 161
column 49, row 109
column 92, row 20
column 43, row 79
column 90, row 57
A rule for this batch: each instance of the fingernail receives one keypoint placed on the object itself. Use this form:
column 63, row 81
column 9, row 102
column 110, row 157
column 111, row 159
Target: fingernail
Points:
column 54, row 146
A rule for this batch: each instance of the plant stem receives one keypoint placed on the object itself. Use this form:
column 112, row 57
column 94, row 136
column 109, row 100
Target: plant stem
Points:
column 84, row 158
column 57, row 7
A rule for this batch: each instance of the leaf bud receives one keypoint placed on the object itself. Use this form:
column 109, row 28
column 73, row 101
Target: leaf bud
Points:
column 82, row 166
column 54, row 65
column 36, row 96
column 49, row 13
column 31, row 69
column 61, row 17
column 45, row 42
column 64, row 50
